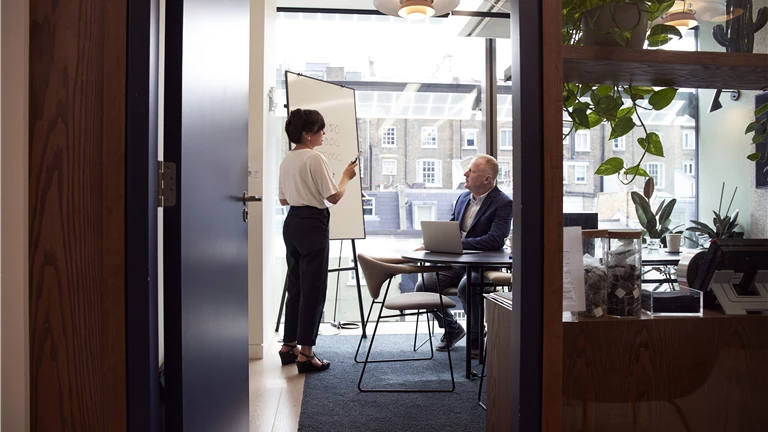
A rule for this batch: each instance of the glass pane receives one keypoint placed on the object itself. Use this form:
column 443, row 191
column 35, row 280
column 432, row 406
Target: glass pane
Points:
column 419, row 117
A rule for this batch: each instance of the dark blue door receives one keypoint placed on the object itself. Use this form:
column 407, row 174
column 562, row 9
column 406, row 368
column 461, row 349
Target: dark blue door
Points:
column 205, row 235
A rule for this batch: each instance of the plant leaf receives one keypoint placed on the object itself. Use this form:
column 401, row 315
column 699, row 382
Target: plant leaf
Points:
column 653, row 144
column 662, row 98
column 604, row 89
column 751, row 127
column 758, row 138
column 762, row 109
column 594, row 119
column 636, row 171
column 623, row 126
column 642, row 206
column 610, row 166
column 579, row 116
column 754, row 156
column 664, row 29
column 658, row 210
column 702, row 228
column 667, row 212
column 648, row 188
column 626, row 112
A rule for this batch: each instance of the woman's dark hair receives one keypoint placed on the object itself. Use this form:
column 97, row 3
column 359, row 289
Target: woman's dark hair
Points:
column 299, row 121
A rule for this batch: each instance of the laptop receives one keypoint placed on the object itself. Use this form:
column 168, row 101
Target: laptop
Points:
column 443, row 237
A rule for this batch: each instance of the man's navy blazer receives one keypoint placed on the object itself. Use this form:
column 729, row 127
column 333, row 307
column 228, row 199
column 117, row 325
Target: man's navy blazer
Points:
column 492, row 222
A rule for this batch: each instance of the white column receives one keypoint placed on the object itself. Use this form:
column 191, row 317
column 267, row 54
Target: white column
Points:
column 261, row 179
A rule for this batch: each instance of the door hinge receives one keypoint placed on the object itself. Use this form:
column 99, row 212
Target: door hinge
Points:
column 166, row 184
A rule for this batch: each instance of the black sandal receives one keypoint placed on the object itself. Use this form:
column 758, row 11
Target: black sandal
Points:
column 307, row 366
column 288, row 357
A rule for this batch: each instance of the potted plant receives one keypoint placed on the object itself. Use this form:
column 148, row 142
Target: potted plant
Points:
column 655, row 224
column 588, row 105
column 722, row 227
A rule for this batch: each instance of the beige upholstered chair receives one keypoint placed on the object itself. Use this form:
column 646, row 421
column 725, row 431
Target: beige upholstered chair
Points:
column 377, row 271
column 499, row 278
column 450, row 291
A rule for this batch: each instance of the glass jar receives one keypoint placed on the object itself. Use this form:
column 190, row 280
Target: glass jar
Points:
column 594, row 244
column 623, row 264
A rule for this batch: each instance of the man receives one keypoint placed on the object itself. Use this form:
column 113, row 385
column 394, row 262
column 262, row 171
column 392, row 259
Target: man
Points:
column 484, row 213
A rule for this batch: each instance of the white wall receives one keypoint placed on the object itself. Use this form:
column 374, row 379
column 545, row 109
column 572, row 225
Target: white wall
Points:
column 262, row 77
column 723, row 147
column 14, row 149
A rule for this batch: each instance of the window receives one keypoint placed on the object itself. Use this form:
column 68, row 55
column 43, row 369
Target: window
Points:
column 619, row 144
column 565, row 173
column 429, row 137
column 688, row 168
column 388, row 136
column 470, row 138
column 423, row 211
column 566, row 135
column 689, row 140
column 431, row 172
column 582, row 141
column 656, row 171
column 389, row 166
column 505, row 172
column 581, row 174
column 505, row 139
column 369, row 206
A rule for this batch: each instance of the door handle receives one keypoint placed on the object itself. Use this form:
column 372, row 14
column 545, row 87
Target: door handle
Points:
column 250, row 198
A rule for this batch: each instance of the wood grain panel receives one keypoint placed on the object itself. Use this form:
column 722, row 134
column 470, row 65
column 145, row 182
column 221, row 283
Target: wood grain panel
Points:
column 499, row 381
column 700, row 373
column 76, row 215
column 552, row 344
column 605, row 65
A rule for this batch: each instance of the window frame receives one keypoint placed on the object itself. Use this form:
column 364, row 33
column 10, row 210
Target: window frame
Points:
column 689, row 144
column 383, row 171
column 692, row 164
column 425, row 134
column 385, row 136
column 465, row 132
column 622, row 144
column 576, row 169
column 582, row 133
column 372, row 206
column 502, row 142
column 438, row 172
column 661, row 183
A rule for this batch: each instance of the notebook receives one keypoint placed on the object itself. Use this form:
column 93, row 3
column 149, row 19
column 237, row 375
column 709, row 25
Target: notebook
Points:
column 443, row 237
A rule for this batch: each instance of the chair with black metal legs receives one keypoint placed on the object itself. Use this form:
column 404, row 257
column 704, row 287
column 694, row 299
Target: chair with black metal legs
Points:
column 448, row 292
column 380, row 270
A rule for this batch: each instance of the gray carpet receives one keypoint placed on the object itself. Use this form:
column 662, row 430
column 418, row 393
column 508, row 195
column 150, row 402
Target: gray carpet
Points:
column 333, row 403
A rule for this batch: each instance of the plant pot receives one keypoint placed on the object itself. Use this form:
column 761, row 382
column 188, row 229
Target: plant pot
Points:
column 598, row 22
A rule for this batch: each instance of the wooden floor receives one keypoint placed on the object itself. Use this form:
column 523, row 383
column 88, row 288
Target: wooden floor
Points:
column 276, row 390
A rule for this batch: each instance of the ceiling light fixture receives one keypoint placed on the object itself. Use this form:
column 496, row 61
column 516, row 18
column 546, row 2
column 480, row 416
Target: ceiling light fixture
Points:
column 683, row 20
column 415, row 9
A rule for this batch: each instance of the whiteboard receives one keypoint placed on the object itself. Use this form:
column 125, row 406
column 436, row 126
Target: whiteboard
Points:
column 340, row 145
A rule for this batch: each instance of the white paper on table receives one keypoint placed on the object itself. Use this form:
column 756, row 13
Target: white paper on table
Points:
column 573, row 270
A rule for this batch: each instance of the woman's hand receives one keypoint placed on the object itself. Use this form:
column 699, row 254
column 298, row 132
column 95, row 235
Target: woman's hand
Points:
column 350, row 171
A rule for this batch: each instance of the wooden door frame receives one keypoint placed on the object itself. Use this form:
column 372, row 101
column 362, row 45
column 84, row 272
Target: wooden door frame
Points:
column 91, row 326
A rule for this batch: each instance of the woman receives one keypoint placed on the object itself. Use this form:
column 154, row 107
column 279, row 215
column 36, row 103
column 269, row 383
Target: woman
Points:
column 306, row 184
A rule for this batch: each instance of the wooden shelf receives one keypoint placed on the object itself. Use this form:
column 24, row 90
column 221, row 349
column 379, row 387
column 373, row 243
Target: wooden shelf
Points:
column 682, row 69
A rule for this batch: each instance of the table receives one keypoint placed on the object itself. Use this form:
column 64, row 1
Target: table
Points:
column 473, row 261
column 661, row 257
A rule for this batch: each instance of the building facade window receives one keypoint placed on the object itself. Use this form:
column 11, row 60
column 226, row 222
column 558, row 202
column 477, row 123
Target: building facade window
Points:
column 470, row 138
column 430, row 172
column 619, row 144
column 389, row 137
column 689, row 168
column 689, row 140
column 565, row 173
column 352, row 277
column 505, row 138
column 423, row 211
column 429, row 137
column 389, row 166
column 581, row 174
column 582, row 141
column 505, row 171
column 369, row 206
column 656, row 172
